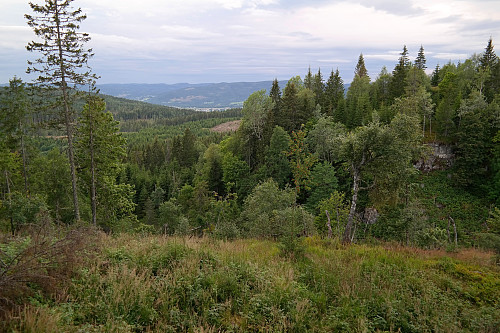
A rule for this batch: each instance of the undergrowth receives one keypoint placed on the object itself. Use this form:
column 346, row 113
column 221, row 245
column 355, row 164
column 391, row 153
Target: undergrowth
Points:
column 159, row 284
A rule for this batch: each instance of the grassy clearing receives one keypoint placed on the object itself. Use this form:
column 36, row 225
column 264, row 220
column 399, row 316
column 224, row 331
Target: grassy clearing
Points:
column 158, row 284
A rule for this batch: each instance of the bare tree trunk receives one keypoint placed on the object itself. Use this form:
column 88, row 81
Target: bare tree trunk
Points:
column 93, row 198
column 67, row 118
column 423, row 128
column 348, row 232
column 454, row 229
column 328, row 224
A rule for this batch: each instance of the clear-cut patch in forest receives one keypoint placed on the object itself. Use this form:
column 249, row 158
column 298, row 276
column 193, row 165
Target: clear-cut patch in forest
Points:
column 230, row 126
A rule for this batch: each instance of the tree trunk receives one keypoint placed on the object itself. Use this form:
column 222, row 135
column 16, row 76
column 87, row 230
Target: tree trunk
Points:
column 454, row 229
column 67, row 118
column 348, row 232
column 25, row 164
column 93, row 198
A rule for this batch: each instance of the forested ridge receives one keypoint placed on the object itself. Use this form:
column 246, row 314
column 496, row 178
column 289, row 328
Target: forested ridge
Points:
column 91, row 184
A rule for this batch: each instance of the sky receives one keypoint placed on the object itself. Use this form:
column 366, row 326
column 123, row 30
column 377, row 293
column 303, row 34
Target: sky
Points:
column 200, row 41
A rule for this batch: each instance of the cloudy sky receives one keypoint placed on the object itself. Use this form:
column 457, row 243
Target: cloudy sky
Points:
column 171, row 41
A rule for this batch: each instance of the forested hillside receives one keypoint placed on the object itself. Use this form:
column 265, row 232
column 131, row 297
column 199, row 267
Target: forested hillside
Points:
column 94, row 188
column 310, row 145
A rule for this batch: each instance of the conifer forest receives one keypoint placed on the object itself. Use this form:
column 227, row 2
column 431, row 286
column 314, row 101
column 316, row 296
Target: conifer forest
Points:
column 372, row 206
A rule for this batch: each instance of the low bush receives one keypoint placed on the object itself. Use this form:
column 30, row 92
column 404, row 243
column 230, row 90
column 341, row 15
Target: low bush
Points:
column 40, row 261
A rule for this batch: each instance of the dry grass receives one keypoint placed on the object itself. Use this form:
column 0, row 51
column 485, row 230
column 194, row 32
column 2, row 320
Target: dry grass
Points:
column 468, row 255
column 40, row 259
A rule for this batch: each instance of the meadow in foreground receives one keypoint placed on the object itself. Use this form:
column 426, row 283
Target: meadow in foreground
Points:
column 166, row 284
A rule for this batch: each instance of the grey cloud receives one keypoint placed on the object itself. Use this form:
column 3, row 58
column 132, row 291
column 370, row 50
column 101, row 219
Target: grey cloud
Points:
column 397, row 7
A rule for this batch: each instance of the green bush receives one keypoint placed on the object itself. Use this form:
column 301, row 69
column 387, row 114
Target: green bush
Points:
column 261, row 206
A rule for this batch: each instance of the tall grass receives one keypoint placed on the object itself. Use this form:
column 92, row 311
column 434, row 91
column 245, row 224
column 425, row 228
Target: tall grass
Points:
column 158, row 284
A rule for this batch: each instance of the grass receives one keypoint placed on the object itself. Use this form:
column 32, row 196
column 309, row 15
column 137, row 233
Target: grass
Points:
column 160, row 284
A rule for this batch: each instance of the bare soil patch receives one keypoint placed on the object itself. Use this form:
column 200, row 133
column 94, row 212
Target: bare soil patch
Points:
column 230, row 126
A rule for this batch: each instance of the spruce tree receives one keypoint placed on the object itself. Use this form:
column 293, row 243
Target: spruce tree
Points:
column 334, row 93
column 63, row 62
column 318, row 87
column 420, row 60
column 489, row 58
column 435, row 76
column 399, row 74
column 308, row 79
column 490, row 64
column 360, row 67
column 275, row 94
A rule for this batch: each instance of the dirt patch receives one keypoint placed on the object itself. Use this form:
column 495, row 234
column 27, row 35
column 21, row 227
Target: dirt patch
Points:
column 230, row 126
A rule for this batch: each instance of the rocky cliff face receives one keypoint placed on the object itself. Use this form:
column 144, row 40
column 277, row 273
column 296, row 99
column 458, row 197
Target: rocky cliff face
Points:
column 440, row 157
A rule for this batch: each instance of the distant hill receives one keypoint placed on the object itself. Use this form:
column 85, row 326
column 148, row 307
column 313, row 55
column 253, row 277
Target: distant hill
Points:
column 185, row 95
column 127, row 109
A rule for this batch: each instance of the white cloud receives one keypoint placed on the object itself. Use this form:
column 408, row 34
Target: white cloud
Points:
column 451, row 56
column 251, row 37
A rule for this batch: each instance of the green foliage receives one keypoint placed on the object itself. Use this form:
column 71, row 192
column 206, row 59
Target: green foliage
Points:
column 399, row 74
column 334, row 95
column 323, row 183
column 236, row 175
column 337, row 208
column 100, row 149
column 476, row 126
column 23, row 211
column 301, row 161
column 360, row 69
column 448, row 105
column 276, row 159
column 172, row 284
column 358, row 106
column 262, row 205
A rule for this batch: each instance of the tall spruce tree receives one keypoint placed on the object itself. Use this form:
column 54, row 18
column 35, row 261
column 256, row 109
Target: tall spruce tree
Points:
column 318, row 87
column 63, row 62
column 308, row 79
column 399, row 74
column 489, row 58
column 435, row 76
column 334, row 94
column 490, row 65
column 420, row 60
column 360, row 67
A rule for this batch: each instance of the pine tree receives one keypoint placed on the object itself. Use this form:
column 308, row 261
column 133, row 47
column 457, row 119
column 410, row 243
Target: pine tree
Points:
column 308, row 79
column 318, row 87
column 290, row 106
column 489, row 58
column 334, row 93
column 63, row 62
column 399, row 74
column 435, row 76
column 490, row 65
column 360, row 67
column 420, row 60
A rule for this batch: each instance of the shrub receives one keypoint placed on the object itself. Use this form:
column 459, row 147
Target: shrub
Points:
column 261, row 206
column 41, row 261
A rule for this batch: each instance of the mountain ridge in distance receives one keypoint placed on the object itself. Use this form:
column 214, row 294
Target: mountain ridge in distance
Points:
column 186, row 95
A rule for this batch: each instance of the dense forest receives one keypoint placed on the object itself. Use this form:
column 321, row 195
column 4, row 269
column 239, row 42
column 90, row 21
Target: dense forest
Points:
column 406, row 158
